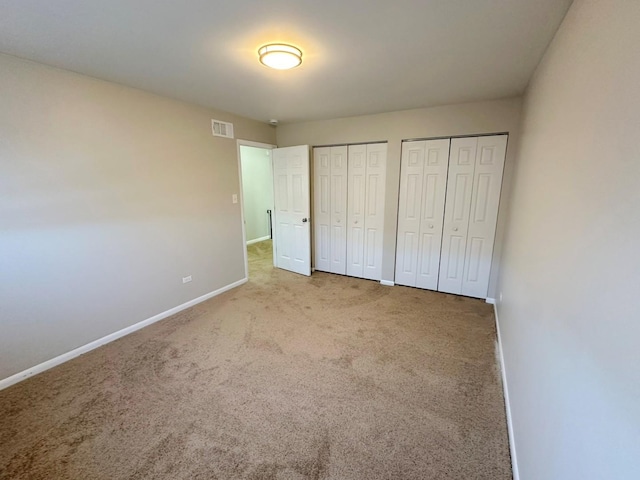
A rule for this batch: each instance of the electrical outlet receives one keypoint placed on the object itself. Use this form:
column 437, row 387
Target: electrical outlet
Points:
column 234, row 198
column 186, row 279
column 500, row 296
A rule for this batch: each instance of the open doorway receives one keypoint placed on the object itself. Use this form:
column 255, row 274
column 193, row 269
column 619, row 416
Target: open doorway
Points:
column 256, row 180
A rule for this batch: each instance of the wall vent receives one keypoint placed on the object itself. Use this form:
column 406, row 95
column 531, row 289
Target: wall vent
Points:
column 222, row 129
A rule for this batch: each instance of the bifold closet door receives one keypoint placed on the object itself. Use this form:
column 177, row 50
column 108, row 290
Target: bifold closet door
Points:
column 471, row 210
column 367, row 166
column 423, row 179
column 483, row 217
column 456, row 220
column 330, row 208
column 356, row 198
column 376, row 163
column 322, row 208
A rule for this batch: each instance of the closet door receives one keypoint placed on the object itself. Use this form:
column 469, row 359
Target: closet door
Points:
column 434, row 183
column 423, row 181
column 338, row 217
column 375, row 186
column 356, row 182
column 487, row 183
column 322, row 208
column 409, row 206
column 456, row 217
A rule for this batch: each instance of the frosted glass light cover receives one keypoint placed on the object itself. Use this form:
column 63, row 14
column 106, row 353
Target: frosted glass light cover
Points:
column 280, row 56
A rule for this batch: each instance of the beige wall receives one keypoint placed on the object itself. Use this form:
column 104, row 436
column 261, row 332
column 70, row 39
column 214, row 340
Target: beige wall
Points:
column 452, row 120
column 109, row 196
column 570, row 314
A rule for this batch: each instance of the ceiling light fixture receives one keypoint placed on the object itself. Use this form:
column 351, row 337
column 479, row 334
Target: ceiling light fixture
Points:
column 280, row 56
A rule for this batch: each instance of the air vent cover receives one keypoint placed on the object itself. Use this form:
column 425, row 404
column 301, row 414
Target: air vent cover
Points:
column 222, row 129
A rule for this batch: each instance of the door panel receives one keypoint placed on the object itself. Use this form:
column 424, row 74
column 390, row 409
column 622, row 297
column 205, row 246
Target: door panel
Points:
column 292, row 208
column 423, row 180
column 453, row 262
column 338, row 217
column 432, row 212
column 355, row 205
column 429, row 245
column 376, row 169
column 322, row 208
column 456, row 216
column 485, row 199
column 409, row 210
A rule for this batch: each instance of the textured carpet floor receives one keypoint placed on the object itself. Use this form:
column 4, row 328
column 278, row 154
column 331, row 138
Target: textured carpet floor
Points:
column 284, row 378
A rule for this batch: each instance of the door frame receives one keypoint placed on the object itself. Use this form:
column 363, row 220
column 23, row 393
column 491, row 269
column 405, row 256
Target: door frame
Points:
column 266, row 146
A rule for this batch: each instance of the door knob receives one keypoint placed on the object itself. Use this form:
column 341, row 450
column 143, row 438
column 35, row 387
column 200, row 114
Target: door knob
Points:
column 304, row 220
column 455, row 229
column 431, row 226
column 338, row 220
column 356, row 222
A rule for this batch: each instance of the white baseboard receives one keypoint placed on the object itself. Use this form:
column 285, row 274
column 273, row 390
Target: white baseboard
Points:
column 256, row 240
column 491, row 301
column 18, row 377
column 387, row 283
column 505, row 387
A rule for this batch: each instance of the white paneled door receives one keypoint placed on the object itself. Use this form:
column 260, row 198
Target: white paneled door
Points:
column 409, row 202
column 292, row 231
column 366, row 184
column 322, row 208
column 423, row 179
column 447, row 213
column 471, row 212
column 356, row 202
column 456, row 219
column 375, row 186
column 338, row 232
column 330, row 209
column 485, row 198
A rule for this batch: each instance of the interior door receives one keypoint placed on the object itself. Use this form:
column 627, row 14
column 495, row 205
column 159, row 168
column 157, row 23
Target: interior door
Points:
column 434, row 183
column 409, row 205
column 456, row 216
column 356, row 209
column 338, row 217
column 322, row 208
column 375, row 186
column 423, row 181
column 487, row 183
column 292, row 225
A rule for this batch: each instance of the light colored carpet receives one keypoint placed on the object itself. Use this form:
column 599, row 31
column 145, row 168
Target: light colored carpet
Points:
column 284, row 378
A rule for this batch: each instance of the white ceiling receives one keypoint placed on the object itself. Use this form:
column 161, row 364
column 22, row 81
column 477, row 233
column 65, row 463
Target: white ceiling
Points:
column 360, row 56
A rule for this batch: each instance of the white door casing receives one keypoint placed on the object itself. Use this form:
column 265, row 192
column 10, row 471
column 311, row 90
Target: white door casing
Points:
column 456, row 216
column 423, row 180
column 485, row 199
column 292, row 225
